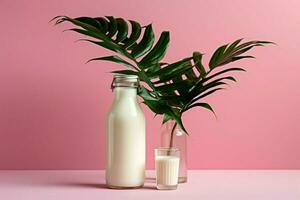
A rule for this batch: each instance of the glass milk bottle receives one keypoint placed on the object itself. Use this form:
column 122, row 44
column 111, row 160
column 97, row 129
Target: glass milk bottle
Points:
column 125, row 136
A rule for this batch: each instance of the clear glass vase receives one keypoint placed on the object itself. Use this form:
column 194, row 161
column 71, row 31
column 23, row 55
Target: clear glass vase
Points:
column 178, row 140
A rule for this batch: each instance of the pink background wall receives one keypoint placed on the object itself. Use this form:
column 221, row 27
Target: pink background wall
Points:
column 52, row 105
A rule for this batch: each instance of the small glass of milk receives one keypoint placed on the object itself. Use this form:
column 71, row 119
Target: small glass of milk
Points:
column 167, row 168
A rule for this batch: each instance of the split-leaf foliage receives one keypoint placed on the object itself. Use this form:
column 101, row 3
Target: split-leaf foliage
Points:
column 170, row 88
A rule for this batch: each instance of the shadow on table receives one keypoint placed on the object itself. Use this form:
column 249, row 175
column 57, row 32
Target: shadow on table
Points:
column 149, row 184
column 85, row 185
column 102, row 186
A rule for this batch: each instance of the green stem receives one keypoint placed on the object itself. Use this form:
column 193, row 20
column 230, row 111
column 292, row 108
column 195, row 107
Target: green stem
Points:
column 172, row 136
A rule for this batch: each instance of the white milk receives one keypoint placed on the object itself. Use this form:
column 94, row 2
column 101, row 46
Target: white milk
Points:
column 125, row 141
column 167, row 169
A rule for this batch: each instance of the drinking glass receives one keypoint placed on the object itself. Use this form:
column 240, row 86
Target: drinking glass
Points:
column 167, row 168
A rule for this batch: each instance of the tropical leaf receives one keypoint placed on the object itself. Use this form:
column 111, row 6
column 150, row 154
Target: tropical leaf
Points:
column 135, row 34
column 158, row 51
column 145, row 44
column 182, row 84
column 232, row 52
column 170, row 88
column 146, row 94
column 123, row 30
column 203, row 105
column 206, row 94
column 112, row 26
column 197, row 57
column 176, row 69
column 115, row 59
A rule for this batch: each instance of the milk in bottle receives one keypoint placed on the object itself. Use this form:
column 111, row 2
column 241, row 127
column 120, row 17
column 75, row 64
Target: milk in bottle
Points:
column 125, row 136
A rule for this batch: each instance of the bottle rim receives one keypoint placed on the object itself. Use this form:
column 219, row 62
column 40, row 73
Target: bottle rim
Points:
column 131, row 81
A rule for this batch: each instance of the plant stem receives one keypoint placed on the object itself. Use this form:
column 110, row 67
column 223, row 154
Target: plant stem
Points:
column 172, row 135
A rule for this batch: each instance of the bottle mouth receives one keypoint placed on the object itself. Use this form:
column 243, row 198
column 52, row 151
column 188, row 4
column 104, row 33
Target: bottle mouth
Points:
column 131, row 81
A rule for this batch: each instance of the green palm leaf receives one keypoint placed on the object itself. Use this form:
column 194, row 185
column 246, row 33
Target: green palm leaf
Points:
column 115, row 59
column 145, row 44
column 135, row 34
column 171, row 88
column 230, row 53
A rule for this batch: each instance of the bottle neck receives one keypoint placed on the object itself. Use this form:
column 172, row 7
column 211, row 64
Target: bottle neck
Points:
column 125, row 93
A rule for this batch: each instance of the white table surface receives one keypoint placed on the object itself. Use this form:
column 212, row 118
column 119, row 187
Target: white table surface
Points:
column 202, row 185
